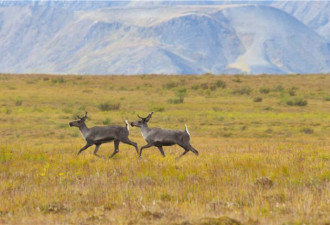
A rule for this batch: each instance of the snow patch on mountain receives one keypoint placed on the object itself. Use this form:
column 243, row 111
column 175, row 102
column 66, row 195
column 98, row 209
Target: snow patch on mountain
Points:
column 275, row 42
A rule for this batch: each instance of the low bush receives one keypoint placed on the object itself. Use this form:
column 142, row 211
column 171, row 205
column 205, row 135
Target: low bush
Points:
column 307, row 130
column 204, row 86
column 220, row 84
column 170, row 85
column 157, row 108
column 237, row 80
column 279, row 88
column 59, row 80
column 243, row 91
column 257, row 99
column 213, row 87
column 175, row 100
column 109, row 106
column 106, row 121
column 180, row 93
column 292, row 91
column 327, row 98
column 195, row 87
column 297, row 102
column 18, row 102
column 264, row 90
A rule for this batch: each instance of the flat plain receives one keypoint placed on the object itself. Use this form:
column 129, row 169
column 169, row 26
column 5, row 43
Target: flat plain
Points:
column 264, row 144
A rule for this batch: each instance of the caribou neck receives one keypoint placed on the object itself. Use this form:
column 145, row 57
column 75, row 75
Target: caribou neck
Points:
column 145, row 130
column 84, row 130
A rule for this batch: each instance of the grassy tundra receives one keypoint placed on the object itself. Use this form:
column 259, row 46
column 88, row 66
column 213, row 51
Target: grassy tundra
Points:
column 245, row 128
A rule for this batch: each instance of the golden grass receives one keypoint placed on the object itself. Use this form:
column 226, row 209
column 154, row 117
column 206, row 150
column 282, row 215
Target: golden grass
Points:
column 239, row 140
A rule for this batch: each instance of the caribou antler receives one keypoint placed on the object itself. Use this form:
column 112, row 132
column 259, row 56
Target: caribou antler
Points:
column 84, row 117
column 149, row 116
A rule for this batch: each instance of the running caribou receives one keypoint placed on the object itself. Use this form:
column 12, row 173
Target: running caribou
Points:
column 99, row 135
column 162, row 137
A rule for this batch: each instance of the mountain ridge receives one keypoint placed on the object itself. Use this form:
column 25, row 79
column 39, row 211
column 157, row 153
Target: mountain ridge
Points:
column 161, row 39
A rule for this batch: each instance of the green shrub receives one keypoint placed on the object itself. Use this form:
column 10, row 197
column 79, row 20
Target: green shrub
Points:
column 18, row 102
column 237, row 80
column 82, row 107
column 109, row 106
column 166, row 197
column 208, row 74
column 158, row 109
column 220, row 84
column 292, row 90
column 264, row 90
column 5, row 155
column 180, row 93
column 227, row 134
column 5, row 109
column 213, row 87
column 307, row 130
column 243, row 91
column 75, row 133
column 204, row 86
column 195, row 87
column 62, row 125
column 279, row 88
column 67, row 110
column 268, row 108
column 257, row 99
column 59, row 80
column 31, row 81
column 297, row 102
column 220, row 118
column 175, row 100
column 327, row 98
column 170, row 85
column 106, row 121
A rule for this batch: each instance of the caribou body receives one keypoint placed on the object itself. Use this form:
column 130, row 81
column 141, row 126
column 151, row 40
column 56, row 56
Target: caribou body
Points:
column 163, row 137
column 103, row 134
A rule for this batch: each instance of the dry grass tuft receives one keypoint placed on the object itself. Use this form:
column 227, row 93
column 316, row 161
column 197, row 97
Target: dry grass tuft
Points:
column 264, row 182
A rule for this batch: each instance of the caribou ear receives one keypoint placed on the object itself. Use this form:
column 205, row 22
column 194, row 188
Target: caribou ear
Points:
column 86, row 114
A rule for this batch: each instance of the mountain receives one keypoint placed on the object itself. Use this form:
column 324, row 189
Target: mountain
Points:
column 275, row 42
column 315, row 14
column 72, row 5
column 132, row 38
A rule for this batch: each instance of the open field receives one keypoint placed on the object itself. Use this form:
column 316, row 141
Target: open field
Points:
column 245, row 128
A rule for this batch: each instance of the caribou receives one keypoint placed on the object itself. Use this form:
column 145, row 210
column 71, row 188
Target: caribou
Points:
column 103, row 134
column 163, row 137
